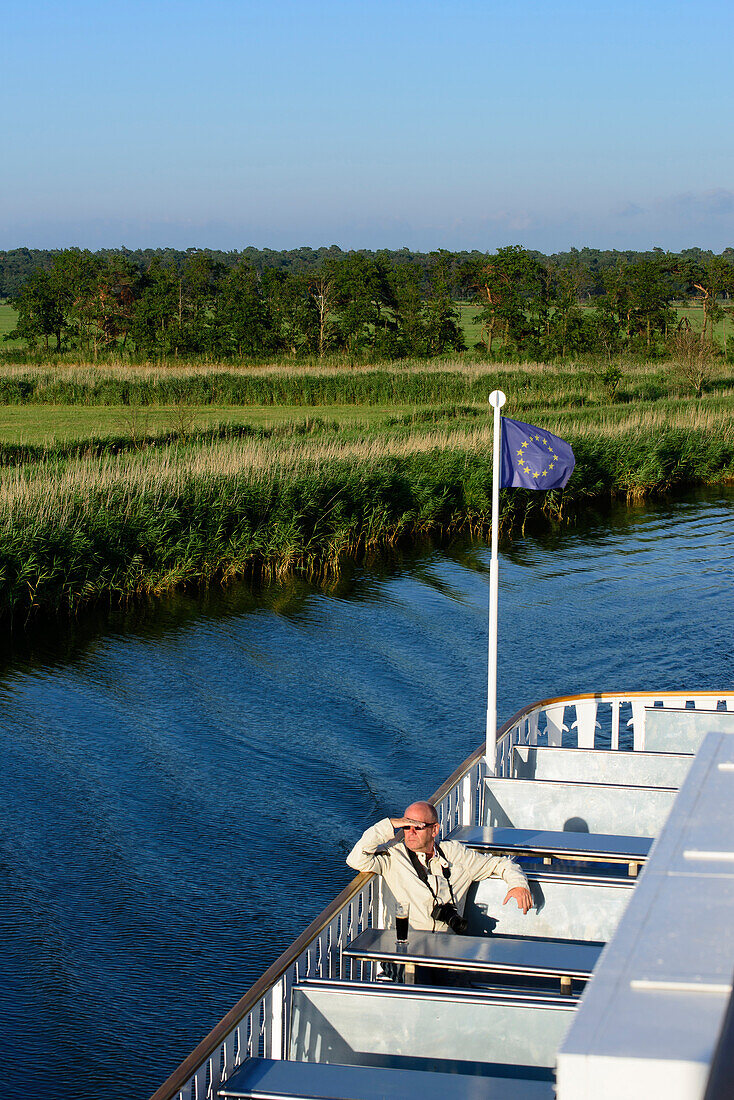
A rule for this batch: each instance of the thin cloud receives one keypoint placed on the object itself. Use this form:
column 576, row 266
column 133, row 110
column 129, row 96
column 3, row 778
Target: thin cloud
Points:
column 718, row 202
column 674, row 222
column 628, row 210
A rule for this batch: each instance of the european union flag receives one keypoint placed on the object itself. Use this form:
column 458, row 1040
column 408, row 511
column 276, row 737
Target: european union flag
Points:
column 533, row 458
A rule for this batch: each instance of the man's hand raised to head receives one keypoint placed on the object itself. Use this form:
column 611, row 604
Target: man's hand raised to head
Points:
column 407, row 822
column 522, row 896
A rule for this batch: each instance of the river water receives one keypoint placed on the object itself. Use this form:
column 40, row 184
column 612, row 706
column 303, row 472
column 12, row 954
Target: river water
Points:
column 180, row 784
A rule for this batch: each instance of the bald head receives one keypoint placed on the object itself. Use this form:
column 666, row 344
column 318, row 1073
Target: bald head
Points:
column 420, row 827
column 422, row 811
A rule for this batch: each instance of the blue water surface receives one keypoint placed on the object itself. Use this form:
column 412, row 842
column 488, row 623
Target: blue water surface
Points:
column 180, row 784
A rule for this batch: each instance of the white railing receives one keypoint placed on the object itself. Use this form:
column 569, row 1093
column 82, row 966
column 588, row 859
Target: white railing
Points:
column 609, row 720
column 258, row 1024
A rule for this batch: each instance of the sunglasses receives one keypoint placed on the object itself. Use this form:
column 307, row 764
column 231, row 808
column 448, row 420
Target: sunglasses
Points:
column 418, row 828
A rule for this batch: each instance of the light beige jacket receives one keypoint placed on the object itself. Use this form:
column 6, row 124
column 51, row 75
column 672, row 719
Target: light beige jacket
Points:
column 381, row 849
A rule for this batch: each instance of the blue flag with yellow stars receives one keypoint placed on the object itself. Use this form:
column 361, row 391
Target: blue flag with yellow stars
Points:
column 533, row 458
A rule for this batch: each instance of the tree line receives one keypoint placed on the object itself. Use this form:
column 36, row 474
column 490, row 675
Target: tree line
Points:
column 363, row 304
column 17, row 264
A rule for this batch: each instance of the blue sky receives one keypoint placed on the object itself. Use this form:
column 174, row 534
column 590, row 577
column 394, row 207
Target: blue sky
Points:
column 368, row 124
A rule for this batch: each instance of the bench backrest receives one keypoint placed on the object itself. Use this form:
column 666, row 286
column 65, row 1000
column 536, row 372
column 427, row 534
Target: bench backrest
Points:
column 566, row 907
column 413, row 1028
column 668, row 729
column 579, row 807
column 644, row 769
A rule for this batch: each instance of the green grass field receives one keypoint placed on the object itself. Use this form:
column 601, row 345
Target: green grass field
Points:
column 49, row 424
column 119, row 480
column 49, row 405
column 468, row 311
column 472, row 331
column 723, row 329
column 7, row 321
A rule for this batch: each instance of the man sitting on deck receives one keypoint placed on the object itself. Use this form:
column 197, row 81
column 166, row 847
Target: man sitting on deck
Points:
column 425, row 874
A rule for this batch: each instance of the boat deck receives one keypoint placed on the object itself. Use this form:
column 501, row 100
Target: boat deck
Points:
column 630, row 878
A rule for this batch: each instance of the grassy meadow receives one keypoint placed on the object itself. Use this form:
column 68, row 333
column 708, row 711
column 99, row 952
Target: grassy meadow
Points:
column 471, row 328
column 122, row 481
column 7, row 319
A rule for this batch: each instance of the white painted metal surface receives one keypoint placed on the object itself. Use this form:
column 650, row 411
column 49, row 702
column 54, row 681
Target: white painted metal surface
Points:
column 270, row 1079
column 564, row 907
column 644, row 769
column 673, row 729
column 650, row 1019
column 577, row 807
column 334, row 1023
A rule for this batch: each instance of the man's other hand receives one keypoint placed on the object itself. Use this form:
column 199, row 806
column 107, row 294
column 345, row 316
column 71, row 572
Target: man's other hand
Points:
column 522, row 896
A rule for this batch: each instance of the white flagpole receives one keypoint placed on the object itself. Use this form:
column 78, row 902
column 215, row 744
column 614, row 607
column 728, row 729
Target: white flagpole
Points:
column 496, row 400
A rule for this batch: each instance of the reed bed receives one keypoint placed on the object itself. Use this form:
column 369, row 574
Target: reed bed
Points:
column 140, row 513
column 168, row 463
column 87, row 372
column 81, row 526
column 554, row 386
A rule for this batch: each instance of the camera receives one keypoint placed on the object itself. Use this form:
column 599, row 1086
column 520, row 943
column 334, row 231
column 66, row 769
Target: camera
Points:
column 450, row 915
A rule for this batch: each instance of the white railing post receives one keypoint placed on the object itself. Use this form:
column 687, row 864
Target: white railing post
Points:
column 200, row 1082
column 586, row 723
column 554, row 723
column 467, row 800
column 273, row 1030
column 378, row 902
column 638, row 723
column 616, row 706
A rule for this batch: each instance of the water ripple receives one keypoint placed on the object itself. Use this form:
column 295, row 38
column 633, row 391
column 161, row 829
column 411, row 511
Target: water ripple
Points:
column 180, row 787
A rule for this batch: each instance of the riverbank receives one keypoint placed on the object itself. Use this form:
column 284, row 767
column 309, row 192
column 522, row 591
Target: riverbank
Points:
column 115, row 519
column 560, row 385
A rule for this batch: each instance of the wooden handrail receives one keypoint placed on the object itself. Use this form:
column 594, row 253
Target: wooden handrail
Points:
column 255, row 993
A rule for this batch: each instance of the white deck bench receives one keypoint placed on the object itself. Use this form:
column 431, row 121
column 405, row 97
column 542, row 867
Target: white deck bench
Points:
column 644, row 769
column 418, row 1027
column 576, row 807
column 566, row 906
column 666, row 729
column 269, row 1079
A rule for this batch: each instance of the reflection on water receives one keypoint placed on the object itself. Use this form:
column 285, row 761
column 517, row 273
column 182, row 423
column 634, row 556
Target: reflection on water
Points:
column 181, row 783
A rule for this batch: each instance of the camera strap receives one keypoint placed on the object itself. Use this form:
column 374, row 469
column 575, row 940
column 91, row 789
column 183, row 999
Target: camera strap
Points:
column 422, row 873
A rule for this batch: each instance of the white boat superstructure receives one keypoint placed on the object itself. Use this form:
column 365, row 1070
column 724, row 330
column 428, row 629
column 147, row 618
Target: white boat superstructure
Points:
column 617, row 981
